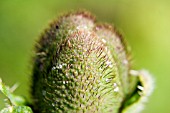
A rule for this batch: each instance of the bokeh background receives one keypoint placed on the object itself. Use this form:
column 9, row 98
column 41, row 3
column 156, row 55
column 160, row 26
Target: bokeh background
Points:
column 144, row 23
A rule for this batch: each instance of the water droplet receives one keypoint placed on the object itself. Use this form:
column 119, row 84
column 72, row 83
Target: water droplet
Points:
column 60, row 66
column 116, row 89
column 107, row 80
column 110, row 66
column 104, row 41
column 140, row 87
column 115, row 84
column 53, row 68
column 108, row 62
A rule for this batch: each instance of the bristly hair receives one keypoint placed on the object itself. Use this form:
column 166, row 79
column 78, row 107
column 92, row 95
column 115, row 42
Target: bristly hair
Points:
column 80, row 65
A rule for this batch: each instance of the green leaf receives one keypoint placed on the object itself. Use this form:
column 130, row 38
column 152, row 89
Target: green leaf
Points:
column 17, row 109
column 135, row 102
column 14, row 99
column 16, row 102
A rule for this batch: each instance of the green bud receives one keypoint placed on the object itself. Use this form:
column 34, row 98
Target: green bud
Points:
column 81, row 66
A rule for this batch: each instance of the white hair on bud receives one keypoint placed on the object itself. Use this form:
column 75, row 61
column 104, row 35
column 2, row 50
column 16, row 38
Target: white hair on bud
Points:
column 148, row 86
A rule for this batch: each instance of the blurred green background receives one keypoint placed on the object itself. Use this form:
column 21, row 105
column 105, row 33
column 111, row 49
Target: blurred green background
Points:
column 145, row 25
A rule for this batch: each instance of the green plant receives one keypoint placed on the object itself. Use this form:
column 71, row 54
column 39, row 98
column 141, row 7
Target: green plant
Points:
column 16, row 104
column 84, row 66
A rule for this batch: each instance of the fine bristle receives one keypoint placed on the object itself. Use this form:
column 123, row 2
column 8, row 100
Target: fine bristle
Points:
column 80, row 66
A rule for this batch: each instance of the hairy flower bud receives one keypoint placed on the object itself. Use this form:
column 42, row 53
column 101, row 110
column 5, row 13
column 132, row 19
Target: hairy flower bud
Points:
column 81, row 66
